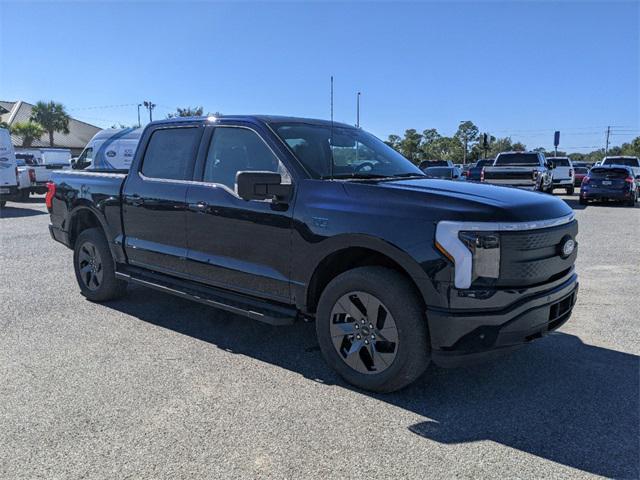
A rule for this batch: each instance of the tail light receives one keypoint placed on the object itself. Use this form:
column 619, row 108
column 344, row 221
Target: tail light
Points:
column 570, row 171
column 482, row 175
column 17, row 176
column 534, row 175
column 465, row 173
column 629, row 180
column 585, row 180
column 51, row 191
column 32, row 175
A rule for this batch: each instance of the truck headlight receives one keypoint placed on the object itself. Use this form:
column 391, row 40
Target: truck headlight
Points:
column 485, row 251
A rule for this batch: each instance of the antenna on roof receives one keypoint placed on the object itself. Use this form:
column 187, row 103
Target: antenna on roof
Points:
column 331, row 135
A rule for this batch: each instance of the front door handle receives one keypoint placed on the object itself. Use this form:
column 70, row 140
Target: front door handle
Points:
column 199, row 206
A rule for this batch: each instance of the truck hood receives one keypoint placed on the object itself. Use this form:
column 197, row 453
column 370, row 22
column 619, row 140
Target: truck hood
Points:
column 464, row 201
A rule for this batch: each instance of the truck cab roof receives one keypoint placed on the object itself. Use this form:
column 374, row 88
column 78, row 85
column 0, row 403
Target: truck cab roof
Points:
column 262, row 119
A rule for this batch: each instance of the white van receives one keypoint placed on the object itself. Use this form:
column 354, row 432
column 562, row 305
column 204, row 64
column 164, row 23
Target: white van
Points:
column 111, row 149
column 8, row 168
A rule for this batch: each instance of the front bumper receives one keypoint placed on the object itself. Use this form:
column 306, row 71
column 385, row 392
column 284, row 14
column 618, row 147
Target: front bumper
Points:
column 461, row 337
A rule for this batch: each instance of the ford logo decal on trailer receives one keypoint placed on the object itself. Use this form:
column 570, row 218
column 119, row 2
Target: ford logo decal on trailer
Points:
column 111, row 153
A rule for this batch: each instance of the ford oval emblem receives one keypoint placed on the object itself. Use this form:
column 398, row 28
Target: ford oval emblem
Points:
column 111, row 153
column 567, row 246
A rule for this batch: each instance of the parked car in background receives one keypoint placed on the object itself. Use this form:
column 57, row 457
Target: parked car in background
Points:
column 447, row 173
column 253, row 215
column 627, row 161
column 529, row 170
column 475, row 171
column 42, row 174
column 563, row 174
column 110, row 149
column 8, row 168
column 578, row 175
column 610, row 182
column 435, row 163
column 26, row 177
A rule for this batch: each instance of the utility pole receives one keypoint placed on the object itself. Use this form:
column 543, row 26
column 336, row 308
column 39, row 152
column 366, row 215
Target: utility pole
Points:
column 358, row 110
column 139, row 124
column 606, row 148
column 149, row 105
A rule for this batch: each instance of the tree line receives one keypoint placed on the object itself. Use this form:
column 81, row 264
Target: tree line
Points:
column 467, row 145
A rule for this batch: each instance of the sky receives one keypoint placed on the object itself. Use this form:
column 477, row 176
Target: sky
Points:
column 519, row 69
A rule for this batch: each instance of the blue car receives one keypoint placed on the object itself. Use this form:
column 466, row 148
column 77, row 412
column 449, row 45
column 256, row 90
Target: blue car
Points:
column 610, row 183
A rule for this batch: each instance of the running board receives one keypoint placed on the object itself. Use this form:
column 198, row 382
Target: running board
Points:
column 271, row 313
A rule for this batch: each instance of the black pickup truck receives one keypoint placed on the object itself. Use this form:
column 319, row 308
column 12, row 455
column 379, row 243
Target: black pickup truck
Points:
column 279, row 219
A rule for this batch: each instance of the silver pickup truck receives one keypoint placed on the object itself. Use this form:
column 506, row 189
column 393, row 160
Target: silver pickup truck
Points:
column 528, row 170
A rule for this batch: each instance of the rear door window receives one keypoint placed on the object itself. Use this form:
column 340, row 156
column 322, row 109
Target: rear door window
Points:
column 171, row 153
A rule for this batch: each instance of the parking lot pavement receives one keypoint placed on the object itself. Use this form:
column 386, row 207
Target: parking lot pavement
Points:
column 152, row 386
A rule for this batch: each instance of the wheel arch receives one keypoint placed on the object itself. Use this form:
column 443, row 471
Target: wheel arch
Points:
column 84, row 216
column 358, row 251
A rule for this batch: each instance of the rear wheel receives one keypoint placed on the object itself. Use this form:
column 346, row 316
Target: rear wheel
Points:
column 372, row 329
column 632, row 201
column 95, row 268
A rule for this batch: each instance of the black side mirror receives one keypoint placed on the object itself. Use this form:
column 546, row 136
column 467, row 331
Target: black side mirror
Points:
column 550, row 165
column 262, row 186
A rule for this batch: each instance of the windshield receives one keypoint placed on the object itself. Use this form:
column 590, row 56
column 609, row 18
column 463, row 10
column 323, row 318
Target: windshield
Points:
column 608, row 173
column 630, row 162
column 520, row 159
column 483, row 163
column 560, row 162
column 355, row 153
column 439, row 172
column 581, row 170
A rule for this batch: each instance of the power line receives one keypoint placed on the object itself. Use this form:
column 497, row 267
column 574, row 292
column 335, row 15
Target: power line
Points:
column 101, row 107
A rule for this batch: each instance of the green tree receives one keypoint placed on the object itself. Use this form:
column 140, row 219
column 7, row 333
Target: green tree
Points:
column 467, row 134
column 410, row 145
column 187, row 112
column 632, row 148
column 29, row 131
column 52, row 117
column 394, row 142
column 519, row 147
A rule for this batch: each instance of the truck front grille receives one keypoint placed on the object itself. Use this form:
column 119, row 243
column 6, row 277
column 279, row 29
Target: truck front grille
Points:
column 532, row 257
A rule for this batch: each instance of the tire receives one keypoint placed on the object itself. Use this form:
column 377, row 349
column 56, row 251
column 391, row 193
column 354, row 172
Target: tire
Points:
column 95, row 268
column 631, row 202
column 397, row 363
column 571, row 190
column 3, row 203
column 583, row 201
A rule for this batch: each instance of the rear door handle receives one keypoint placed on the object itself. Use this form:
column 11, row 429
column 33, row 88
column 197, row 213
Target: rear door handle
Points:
column 136, row 200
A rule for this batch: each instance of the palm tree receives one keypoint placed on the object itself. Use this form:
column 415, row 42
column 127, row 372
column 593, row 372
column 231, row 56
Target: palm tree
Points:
column 29, row 131
column 52, row 116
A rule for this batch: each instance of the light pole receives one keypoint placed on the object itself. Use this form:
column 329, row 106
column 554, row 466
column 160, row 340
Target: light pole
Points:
column 150, row 106
column 358, row 110
column 139, row 124
column 466, row 141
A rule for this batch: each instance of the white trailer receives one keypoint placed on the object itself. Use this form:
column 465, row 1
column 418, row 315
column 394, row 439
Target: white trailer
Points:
column 8, row 168
column 111, row 149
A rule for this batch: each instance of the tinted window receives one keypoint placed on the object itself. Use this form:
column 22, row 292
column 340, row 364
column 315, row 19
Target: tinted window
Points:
column 521, row 159
column 433, row 163
column 560, row 162
column 170, row 153
column 609, row 173
column 483, row 163
column 581, row 170
column 343, row 152
column 238, row 149
column 630, row 162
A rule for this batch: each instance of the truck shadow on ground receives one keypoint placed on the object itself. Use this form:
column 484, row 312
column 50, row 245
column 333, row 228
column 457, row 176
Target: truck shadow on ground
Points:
column 558, row 398
column 17, row 210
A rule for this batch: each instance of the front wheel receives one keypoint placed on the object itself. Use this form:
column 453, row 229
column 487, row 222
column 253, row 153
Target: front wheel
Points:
column 372, row 329
column 95, row 268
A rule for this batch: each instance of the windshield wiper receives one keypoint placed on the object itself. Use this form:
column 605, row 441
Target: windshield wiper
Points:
column 358, row 176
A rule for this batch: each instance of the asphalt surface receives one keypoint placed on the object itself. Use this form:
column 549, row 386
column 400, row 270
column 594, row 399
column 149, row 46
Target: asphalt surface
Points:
column 152, row 386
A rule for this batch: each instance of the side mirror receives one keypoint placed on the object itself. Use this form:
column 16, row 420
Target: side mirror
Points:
column 262, row 186
column 550, row 165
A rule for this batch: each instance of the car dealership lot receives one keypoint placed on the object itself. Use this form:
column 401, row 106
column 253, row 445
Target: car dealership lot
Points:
column 154, row 386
